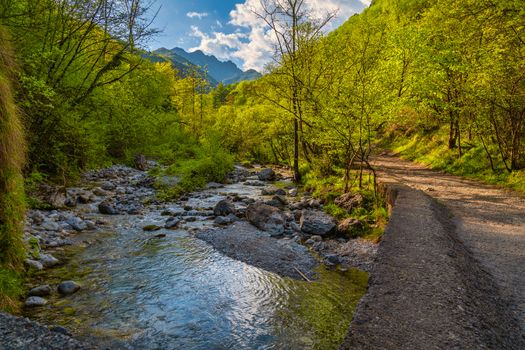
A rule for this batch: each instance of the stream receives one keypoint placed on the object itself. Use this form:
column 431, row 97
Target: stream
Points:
column 169, row 290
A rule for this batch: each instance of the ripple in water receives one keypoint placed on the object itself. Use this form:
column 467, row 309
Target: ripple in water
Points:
column 179, row 293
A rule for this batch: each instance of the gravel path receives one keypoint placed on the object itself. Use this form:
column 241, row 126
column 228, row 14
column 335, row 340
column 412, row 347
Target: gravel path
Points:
column 490, row 221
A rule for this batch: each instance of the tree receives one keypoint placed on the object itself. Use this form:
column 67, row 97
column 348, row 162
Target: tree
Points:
column 294, row 30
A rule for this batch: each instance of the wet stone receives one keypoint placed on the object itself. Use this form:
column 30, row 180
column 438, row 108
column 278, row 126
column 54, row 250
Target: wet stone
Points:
column 68, row 287
column 224, row 208
column 48, row 260
column 35, row 301
column 172, row 222
column 40, row 291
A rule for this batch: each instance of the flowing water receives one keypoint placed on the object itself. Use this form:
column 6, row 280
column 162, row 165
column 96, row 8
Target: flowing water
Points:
column 177, row 292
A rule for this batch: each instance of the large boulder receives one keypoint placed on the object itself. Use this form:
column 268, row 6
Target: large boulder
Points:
column 266, row 174
column 224, row 208
column 266, row 218
column 316, row 222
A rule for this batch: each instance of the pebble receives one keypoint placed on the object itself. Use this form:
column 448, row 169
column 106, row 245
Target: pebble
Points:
column 35, row 302
column 40, row 291
column 48, row 260
column 37, row 265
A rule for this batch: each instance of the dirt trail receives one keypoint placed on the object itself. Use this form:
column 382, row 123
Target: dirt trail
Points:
column 490, row 221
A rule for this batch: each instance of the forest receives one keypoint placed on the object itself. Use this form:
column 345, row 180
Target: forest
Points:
column 441, row 82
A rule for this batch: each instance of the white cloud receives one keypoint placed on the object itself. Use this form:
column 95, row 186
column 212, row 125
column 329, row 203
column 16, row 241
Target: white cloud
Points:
column 199, row 15
column 219, row 44
column 252, row 41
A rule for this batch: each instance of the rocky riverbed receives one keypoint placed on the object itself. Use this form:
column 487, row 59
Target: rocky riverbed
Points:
column 254, row 219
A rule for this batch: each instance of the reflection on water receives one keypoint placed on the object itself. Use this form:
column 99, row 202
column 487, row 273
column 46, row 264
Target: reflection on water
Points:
column 179, row 293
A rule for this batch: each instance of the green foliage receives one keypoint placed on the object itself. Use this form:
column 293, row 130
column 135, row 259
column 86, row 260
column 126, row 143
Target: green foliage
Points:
column 12, row 157
column 10, row 290
column 208, row 162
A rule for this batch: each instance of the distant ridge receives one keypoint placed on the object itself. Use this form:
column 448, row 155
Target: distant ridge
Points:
column 215, row 71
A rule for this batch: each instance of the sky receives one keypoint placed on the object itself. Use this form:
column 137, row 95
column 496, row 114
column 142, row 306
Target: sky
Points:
column 228, row 29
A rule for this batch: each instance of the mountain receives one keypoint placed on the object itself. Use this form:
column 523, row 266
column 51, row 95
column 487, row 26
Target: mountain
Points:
column 180, row 63
column 216, row 71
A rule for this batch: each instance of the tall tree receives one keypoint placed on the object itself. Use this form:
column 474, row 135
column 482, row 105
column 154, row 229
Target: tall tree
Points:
column 295, row 30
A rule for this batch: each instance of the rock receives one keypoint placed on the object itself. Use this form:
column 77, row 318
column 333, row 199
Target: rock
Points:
column 166, row 213
column 99, row 192
column 280, row 199
column 160, row 235
column 214, row 185
column 37, row 217
column 314, row 203
column 60, row 329
column 37, row 265
column 332, row 259
column 108, row 186
column 187, row 207
column 349, row 201
column 151, row 228
column 35, row 301
column 68, row 287
column 268, row 191
column 48, row 260
column 224, row 208
column 71, row 202
column 76, row 223
column 317, row 222
column 266, row 175
column 57, row 199
column 172, row 222
column 292, row 192
column 222, row 220
column 85, row 198
column 108, row 208
column 347, row 225
column 140, row 162
column 255, row 183
column 50, row 226
column 280, row 192
column 90, row 225
column 40, row 291
column 266, row 218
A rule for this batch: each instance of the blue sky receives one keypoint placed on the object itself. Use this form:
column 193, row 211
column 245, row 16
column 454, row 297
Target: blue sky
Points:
column 228, row 29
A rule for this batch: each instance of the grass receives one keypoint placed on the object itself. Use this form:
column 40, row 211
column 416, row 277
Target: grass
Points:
column 10, row 290
column 432, row 151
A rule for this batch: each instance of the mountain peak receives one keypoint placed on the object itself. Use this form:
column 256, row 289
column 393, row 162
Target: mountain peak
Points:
column 226, row 72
